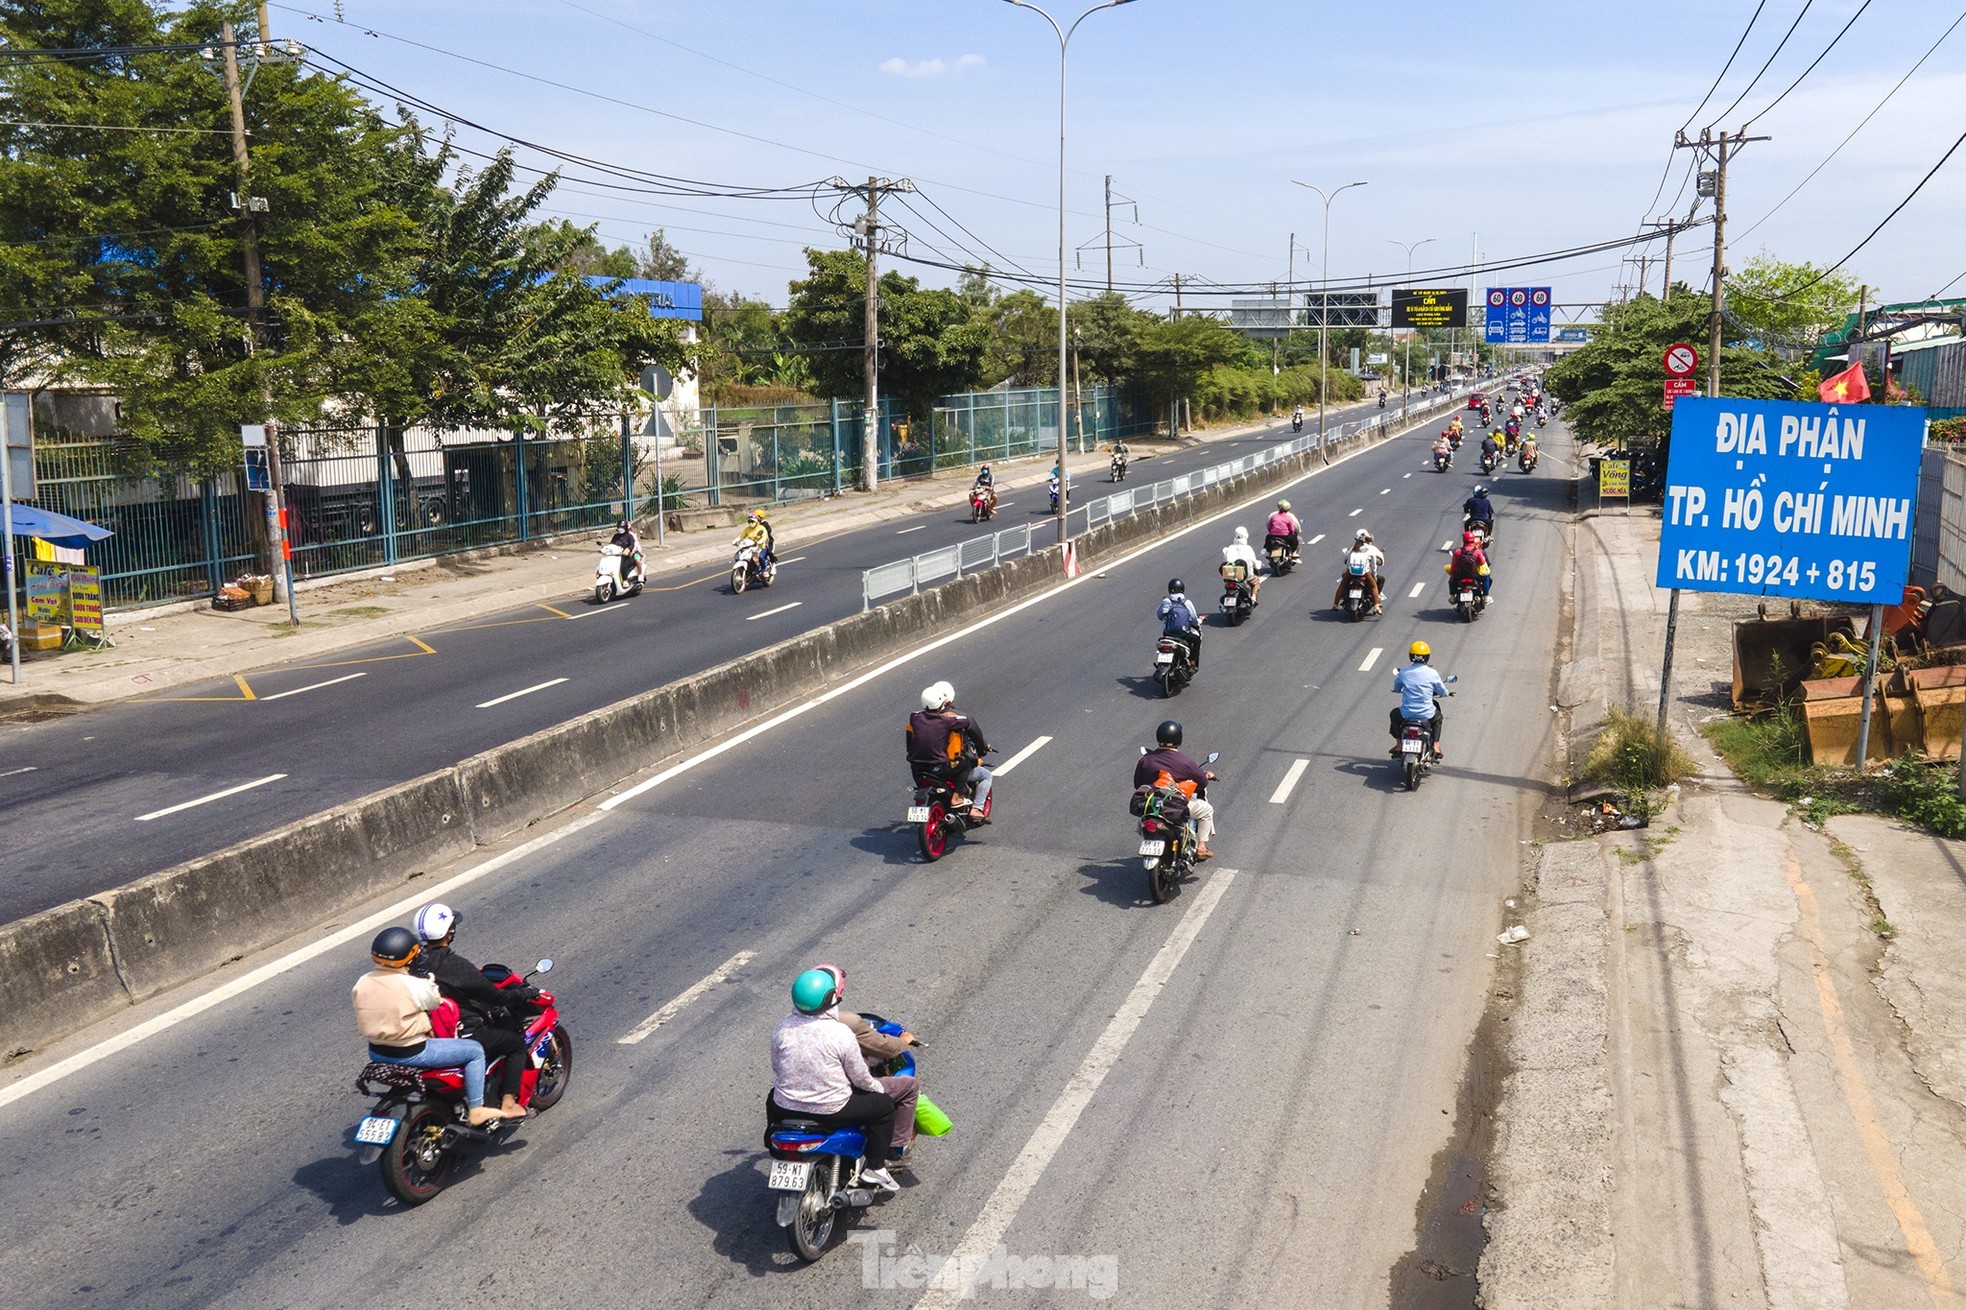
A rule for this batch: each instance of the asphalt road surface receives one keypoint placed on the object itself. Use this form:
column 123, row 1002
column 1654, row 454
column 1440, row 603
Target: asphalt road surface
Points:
column 1229, row 1100
column 132, row 788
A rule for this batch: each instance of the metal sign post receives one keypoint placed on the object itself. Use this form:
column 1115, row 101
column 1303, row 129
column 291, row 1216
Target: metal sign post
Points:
column 15, row 414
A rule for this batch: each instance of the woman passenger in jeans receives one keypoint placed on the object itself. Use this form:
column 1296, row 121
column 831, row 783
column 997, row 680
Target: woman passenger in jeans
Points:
column 392, row 1009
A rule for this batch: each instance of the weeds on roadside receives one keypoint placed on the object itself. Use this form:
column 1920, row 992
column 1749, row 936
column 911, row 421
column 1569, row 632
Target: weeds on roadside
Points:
column 1631, row 755
column 1924, row 792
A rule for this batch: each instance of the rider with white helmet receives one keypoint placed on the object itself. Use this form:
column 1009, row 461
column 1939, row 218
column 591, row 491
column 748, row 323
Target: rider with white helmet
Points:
column 483, row 1013
column 945, row 743
column 1363, row 561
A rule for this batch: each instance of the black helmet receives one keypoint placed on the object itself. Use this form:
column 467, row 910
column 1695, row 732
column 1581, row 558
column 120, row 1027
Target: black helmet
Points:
column 394, row 947
column 1168, row 734
column 1174, row 585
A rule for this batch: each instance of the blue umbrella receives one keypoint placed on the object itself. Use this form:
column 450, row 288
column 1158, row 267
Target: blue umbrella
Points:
column 57, row 528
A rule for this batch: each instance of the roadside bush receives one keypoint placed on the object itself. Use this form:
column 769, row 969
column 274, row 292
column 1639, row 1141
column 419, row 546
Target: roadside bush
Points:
column 1924, row 792
column 1631, row 755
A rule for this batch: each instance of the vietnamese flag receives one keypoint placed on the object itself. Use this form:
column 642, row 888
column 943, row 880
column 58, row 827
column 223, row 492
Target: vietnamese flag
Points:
column 1849, row 387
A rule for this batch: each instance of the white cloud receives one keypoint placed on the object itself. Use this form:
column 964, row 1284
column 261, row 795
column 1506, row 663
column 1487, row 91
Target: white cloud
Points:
column 931, row 67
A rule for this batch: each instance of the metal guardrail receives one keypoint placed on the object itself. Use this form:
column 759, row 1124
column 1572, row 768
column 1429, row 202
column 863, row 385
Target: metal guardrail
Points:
column 908, row 575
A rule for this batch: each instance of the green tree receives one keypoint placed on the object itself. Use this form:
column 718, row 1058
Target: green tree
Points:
column 1171, row 356
column 740, row 338
column 663, row 262
column 1021, row 332
column 1789, row 305
column 930, row 346
column 1614, row 387
column 120, row 254
column 1106, row 328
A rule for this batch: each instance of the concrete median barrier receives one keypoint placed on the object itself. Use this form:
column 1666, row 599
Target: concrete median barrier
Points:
column 81, row 963
column 56, row 974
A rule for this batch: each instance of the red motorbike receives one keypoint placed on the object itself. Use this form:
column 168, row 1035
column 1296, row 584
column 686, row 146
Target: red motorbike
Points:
column 418, row 1127
column 982, row 505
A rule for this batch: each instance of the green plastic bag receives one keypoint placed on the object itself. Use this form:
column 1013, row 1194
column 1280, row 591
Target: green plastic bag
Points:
column 929, row 1118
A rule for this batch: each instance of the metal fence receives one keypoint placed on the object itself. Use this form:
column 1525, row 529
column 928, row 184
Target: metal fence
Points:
column 363, row 497
column 908, row 575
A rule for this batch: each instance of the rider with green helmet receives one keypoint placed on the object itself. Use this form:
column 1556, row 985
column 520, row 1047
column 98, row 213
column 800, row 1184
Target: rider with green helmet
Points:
column 819, row 1075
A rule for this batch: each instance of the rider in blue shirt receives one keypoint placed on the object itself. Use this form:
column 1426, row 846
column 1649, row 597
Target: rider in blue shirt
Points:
column 1179, row 618
column 1418, row 685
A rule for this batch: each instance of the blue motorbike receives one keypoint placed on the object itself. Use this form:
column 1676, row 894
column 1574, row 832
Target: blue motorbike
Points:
column 815, row 1171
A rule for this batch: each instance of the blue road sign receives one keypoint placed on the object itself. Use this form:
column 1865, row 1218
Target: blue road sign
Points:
column 1779, row 498
column 1517, row 316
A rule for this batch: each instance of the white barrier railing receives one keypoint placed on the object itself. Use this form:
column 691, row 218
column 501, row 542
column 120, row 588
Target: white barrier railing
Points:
column 908, row 575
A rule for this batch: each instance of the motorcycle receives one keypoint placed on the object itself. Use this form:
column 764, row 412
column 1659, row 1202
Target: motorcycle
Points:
column 1173, row 664
column 1417, row 749
column 419, row 1128
column 1296, row 422
column 1542, row 420
column 1277, row 549
column 982, row 504
column 1443, row 460
column 1119, row 467
column 1484, row 531
column 815, row 1171
column 1490, row 459
column 1382, row 402
column 611, row 574
column 941, row 809
column 749, row 570
column 1469, row 598
column 1357, row 602
column 1527, row 459
column 1238, row 596
column 1453, row 438
column 1167, row 838
column 1052, row 487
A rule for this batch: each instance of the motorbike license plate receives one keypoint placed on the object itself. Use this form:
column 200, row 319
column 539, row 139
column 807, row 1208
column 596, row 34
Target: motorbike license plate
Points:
column 789, row 1175
column 1409, row 746
column 1152, row 847
column 1356, row 593
column 377, row 1130
column 918, row 814
column 1164, row 657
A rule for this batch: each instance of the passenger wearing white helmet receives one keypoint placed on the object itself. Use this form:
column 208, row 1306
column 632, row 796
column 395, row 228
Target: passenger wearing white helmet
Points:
column 945, row 743
column 1240, row 553
column 483, row 1015
column 1362, row 560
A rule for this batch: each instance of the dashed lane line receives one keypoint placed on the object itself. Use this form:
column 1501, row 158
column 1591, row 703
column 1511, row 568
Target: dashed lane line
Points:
column 641, row 1030
column 523, row 691
column 346, row 677
column 1021, row 756
column 206, row 800
column 1418, row 587
column 1289, row 783
column 1372, row 659
column 753, row 618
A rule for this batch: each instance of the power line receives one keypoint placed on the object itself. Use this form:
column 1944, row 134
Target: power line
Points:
column 1948, row 286
column 1859, row 127
column 1765, row 65
column 1812, row 63
column 1666, row 172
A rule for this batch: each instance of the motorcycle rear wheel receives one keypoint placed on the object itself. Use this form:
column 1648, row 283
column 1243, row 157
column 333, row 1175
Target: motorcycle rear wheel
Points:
column 811, row 1228
column 414, row 1167
column 1164, row 879
column 555, row 1072
column 1412, row 773
column 933, row 837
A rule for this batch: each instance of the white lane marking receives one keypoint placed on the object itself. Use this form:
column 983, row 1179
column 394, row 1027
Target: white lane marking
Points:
column 675, row 1007
column 1355, row 513
column 31, row 768
column 1290, row 777
column 608, row 608
column 1372, row 659
column 1023, row 1175
column 404, row 909
column 400, row 912
column 1418, row 587
column 768, row 613
column 794, row 560
column 1406, row 475
column 1387, row 490
column 1447, row 545
column 1005, row 504
column 215, row 796
column 523, row 691
column 1315, row 540
column 905, row 531
column 1021, row 756
column 346, row 677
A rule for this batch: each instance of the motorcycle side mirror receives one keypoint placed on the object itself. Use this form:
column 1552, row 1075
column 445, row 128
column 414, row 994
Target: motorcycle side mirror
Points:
column 1212, row 757
column 1453, row 677
column 544, row 966
column 1143, row 750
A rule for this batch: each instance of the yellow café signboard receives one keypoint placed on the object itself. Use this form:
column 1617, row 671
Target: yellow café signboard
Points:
column 1614, row 478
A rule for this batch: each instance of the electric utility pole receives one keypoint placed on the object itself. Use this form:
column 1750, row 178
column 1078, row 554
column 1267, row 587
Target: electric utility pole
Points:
column 1714, row 183
column 867, row 233
column 249, row 206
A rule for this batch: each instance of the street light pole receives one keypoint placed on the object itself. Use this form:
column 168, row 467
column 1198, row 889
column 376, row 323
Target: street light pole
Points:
column 1324, row 301
column 1406, row 361
column 1064, row 35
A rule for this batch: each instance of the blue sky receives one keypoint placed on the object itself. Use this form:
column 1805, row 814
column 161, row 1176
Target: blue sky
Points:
column 1537, row 126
